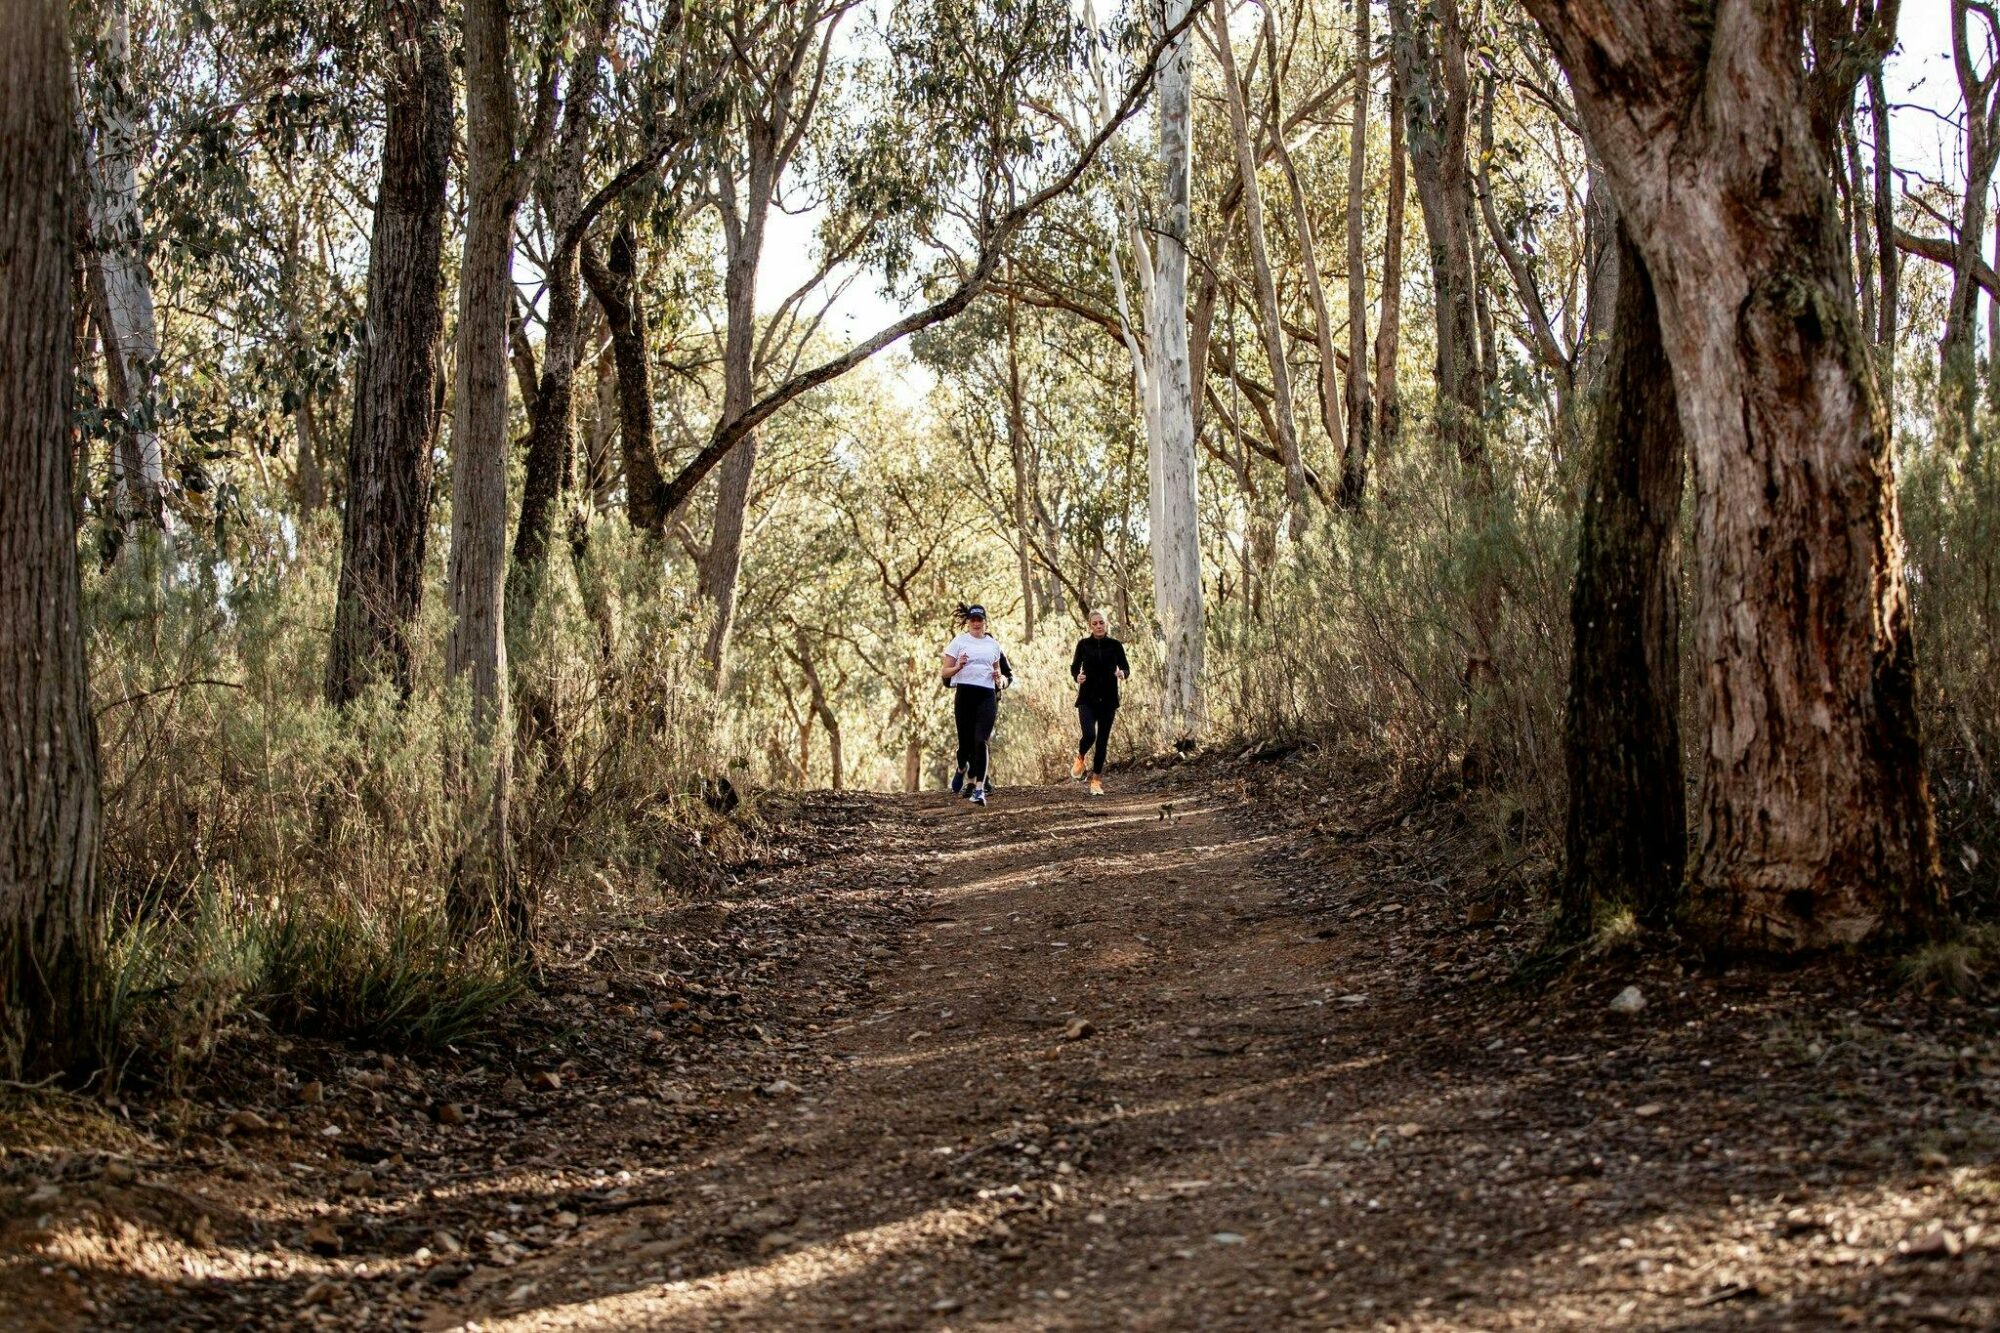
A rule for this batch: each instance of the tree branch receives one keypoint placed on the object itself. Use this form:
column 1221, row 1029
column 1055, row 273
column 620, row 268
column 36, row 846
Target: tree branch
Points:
column 728, row 434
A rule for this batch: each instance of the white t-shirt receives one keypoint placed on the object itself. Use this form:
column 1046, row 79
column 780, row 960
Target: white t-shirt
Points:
column 976, row 659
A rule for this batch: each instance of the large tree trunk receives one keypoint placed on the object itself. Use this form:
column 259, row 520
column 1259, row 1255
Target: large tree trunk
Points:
column 485, row 887
column 52, row 1001
column 1174, row 470
column 1430, row 57
column 1814, row 825
column 397, row 390
column 615, row 284
column 1389, row 332
column 1360, row 413
column 1270, row 322
column 125, row 287
column 1626, row 844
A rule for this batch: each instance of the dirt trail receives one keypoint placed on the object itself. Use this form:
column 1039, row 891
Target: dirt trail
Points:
column 1123, row 1076
column 1076, row 1076
column 1191, row 1056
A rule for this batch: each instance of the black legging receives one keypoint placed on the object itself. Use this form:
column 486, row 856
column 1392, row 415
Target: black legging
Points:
column 975, row 709
column 1096, row 720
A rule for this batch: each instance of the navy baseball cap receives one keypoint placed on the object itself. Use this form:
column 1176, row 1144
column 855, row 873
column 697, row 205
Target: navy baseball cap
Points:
column 975, row 612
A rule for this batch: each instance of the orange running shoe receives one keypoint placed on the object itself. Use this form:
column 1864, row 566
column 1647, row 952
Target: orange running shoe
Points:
column 1076, row 769
column 1096, row 785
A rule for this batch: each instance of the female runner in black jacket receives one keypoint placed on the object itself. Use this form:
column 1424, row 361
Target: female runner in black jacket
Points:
column 1098, row 664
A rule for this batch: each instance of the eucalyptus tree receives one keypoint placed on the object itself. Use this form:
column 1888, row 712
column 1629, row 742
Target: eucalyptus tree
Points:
column 626, row 144
column 1389, row 325
column 549, row 467
column 121, row 284
column 1360, row 408
column 1270, row 321
column 385, row 524
column 1431, row 53
column 941, row 161
column 781, row 57
column 1174, row 508
column 498, row 164
column 617, row 287
column 51, row 911
column 1814, row 824
column 1972, row 45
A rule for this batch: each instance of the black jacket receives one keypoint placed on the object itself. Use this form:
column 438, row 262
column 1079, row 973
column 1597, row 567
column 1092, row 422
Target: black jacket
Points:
column 1099, row 660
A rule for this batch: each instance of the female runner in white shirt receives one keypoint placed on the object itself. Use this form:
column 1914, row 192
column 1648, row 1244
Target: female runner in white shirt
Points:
column 975, row 668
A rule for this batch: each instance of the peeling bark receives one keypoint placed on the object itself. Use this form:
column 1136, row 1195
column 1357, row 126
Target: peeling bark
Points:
column 1814, row 824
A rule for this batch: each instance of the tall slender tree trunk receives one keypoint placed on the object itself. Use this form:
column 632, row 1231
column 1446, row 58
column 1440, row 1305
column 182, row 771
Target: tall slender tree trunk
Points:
column 485, row 887
column 1360, row 414
column 1601, row 270
column 822, row 707
column 118, row 257
column 1430, row 57
column 1958, row 380
column 397, row 391
column 1814, row 826
column 743, row 231
column 1888, row 259
column 1626, row 840
column 1017, row 453
column 1858, row 221
column 1335, row 415
column 615, row 284
column 52, row 914
column 308, row 475
column 1993, row 334
column 550, row 470
column 600, row 468
column 1389, row 331
column 1270, row 323
column 1173, row 470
